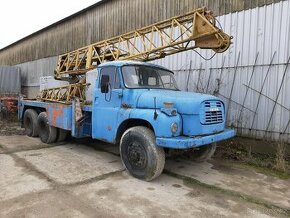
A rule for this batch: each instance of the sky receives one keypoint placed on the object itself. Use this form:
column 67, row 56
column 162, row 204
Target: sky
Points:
column 20, row 18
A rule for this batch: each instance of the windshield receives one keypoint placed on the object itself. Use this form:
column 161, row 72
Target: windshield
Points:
column 140, row 76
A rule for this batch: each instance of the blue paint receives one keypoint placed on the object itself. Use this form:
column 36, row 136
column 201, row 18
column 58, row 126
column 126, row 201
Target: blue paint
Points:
column 183, row 142
column 59, row 115
column 106, row 110
column 184, row 102
column 162, row 125
column 200, row 118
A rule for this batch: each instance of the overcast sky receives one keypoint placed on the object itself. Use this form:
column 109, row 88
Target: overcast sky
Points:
column 19, row 18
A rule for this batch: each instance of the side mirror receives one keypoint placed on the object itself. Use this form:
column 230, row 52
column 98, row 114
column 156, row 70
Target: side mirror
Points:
column 105, row 83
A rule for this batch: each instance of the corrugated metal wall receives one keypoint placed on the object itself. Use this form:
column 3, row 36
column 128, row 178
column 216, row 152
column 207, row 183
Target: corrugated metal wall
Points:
column 31, row 72
column 252, row 77
column 10, row 80
column 109, row 18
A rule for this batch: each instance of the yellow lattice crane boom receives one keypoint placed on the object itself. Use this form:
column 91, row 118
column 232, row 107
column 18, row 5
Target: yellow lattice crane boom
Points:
column 196, row 29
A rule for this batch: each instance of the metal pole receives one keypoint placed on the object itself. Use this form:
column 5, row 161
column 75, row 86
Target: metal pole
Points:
column 235, row 102
column 247, row 90
column 210, row 72
column 288, row 109
column 262, row 89
column 198, row 80
column 278, row 94
column 286, row 127
column 216, row 92
column 233, row 84
column 188, row 76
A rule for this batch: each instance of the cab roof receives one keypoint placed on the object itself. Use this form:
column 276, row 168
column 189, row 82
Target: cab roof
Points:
column 122, row 63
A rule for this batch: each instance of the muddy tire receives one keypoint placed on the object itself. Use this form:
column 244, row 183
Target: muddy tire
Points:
column 203, row 153
column 140, row 155
column 46, row 132
column 30, row 122
column 61, row 135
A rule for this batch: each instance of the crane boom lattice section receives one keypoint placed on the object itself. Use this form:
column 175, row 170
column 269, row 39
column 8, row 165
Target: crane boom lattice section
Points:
column 64, row 94
column 196, row 29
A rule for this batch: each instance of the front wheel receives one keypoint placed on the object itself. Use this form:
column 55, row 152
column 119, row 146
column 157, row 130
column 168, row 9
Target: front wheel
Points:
column 140, row 155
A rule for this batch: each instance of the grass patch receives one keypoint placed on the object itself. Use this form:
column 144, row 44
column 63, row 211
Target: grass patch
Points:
column 274, row 163
column 193, row 183
column 267, row 171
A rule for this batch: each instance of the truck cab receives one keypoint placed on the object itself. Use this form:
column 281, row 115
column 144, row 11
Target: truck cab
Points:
column 142, row 101
column 138, row 106
column 127, row 91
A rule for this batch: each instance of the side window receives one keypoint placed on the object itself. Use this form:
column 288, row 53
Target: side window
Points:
column 167, row 82
column 114, row 76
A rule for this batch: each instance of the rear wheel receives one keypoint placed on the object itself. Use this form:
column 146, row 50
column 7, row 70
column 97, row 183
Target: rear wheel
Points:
column 140, row 155
column 46, row 132
column 61, row 135
column 203, row 153
column 30, row 122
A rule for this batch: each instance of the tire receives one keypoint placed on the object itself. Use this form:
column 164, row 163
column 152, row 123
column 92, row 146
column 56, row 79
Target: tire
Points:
column 61, row 135
column 140, row 155
column 203, row 153
column 30, row 122
column 46, row 132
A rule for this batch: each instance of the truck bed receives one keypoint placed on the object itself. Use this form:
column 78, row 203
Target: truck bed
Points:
column 59, row 115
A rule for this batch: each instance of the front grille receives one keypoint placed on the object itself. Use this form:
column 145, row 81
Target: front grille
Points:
column 213, row 117
column 212, row 112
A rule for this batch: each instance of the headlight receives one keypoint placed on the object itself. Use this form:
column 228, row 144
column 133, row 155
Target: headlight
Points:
column 174, row 127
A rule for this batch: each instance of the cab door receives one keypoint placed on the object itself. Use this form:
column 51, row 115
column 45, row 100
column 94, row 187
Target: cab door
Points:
column 106, row 105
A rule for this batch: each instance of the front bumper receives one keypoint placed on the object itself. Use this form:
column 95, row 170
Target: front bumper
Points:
column 183, row 142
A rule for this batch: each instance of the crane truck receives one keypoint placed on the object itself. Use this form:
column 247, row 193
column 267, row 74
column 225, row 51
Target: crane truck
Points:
column 115, row 95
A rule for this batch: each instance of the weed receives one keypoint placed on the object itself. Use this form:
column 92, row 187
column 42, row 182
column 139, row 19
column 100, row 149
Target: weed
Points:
column 274, row 164
column 280, row 157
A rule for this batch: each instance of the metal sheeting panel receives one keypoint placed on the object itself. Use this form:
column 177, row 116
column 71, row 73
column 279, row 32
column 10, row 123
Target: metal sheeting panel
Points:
column 33, row 70
column 31, row 73
column 10, row 80
column 252, row 77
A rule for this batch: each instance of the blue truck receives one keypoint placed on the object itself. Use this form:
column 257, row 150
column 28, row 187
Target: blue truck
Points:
column 138, row 106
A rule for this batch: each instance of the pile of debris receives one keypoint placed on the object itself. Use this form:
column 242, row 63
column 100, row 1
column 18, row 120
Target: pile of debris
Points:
column 8, row 107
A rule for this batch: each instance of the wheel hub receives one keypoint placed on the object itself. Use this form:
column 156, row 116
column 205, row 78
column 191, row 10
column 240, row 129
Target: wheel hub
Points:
column 137, row 156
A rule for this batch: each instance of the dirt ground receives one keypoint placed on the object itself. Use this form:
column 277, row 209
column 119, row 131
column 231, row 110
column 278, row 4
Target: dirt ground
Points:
column 85, row 178
column 9, row 125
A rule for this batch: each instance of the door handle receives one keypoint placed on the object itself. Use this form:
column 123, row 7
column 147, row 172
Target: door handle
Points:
column 120, row 93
